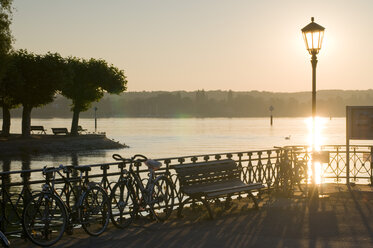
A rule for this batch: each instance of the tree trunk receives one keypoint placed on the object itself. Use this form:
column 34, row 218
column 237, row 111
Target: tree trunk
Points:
column 26, row 121
column 6, row 121
column 75, row 123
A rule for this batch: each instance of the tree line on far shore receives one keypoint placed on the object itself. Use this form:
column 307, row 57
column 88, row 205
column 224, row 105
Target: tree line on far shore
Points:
column 215, row 103
column 31, row 80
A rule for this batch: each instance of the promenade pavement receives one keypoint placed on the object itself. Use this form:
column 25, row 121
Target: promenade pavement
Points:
column 344, row 219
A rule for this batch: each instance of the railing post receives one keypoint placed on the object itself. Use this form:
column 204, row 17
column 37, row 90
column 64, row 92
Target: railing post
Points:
column 268, row 170
column 371, row 165
column 241, row 171
column 347, row 153
column 250, row 169
column 260, row 167
column 104, row 169
column 167, row 162
column 277, row 169
column 3, row 203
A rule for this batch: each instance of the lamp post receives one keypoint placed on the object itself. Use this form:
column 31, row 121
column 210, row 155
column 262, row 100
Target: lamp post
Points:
column 313, row 35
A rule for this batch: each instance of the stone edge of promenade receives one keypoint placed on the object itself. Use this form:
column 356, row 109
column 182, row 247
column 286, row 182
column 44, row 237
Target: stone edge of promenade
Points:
column 52, row 144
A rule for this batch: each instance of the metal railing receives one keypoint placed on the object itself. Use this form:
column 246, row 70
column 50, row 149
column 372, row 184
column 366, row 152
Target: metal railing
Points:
column 279, row 169
column 18, row 186
column 335, row 171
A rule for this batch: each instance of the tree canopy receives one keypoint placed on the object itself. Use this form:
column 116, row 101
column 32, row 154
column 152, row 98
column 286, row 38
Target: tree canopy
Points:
column 5, row 21
column 90, row 80
column 6, row 102
column 33, row 81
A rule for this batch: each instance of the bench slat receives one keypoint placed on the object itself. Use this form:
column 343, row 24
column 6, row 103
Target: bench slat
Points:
column 207, row 172
column 38, row 128
column 233, row 190
column 212, row 187
column 60, row 130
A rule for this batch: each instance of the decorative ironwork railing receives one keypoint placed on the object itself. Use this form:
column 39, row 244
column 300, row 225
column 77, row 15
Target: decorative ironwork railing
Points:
column 285, row 168
column 18, row 186
column 335, row 171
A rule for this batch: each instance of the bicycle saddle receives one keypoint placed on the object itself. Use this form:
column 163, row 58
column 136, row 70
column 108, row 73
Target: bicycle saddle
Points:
column 153, row 164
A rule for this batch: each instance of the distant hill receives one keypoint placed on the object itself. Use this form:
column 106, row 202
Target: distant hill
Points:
column 215, row 103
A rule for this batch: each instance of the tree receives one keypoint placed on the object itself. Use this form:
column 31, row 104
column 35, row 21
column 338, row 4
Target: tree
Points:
column 90, row 80
column 34, row 80
column 5, row 21
column 6, row 102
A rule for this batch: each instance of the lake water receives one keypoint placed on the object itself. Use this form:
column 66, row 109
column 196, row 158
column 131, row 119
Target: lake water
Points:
column 170, row 137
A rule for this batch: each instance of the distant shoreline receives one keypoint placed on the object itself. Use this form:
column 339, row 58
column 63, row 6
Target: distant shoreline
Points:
column 16, row 145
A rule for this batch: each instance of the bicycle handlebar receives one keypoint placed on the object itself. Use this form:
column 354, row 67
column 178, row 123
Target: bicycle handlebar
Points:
column 137, row 157
column 117, row 156
column 136, row 160
column 142, row 158
column 54, row 169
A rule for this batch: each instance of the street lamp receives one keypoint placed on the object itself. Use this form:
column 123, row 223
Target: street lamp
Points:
column 313, row 35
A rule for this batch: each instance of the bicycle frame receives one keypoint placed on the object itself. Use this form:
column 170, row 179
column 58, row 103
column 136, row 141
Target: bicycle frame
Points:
column 154, row 196
column 72, row 210
column 144, row 189
column 49, row 187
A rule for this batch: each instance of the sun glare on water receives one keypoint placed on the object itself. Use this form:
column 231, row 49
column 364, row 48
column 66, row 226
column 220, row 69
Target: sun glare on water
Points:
column 315, row 141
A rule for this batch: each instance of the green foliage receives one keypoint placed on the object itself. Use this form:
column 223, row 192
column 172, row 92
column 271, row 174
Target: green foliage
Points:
column 6, row 99
column 90, row 80
column 5, row 45
column 5, row 21
column 34, row 79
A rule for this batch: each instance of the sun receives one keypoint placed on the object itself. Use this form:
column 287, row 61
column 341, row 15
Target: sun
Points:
column 315, row 142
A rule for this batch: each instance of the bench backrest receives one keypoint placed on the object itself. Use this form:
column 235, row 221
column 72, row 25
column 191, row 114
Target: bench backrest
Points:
column 36, row 128
column 207, row 172
column 59, row 130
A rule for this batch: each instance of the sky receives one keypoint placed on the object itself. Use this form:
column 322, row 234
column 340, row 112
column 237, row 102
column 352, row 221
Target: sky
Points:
column 207, row 44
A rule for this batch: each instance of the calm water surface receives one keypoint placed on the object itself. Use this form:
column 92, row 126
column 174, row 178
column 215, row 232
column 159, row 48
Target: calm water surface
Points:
column 162, row 138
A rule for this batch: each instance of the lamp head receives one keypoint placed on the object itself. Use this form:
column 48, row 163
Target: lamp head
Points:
column 313, row 35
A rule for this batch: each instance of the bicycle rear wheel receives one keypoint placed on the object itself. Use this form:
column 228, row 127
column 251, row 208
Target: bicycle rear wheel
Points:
column 123, row 204
column 94, row 210
column 44, row 219
column 162, row 198
column 4, row 240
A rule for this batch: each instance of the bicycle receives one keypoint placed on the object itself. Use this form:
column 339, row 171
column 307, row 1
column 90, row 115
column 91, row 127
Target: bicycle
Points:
column 46, row 216
column 126, row 202
column 293, row 171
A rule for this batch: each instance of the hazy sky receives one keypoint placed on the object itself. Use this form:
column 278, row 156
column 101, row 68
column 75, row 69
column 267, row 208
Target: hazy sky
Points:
column 207, row 44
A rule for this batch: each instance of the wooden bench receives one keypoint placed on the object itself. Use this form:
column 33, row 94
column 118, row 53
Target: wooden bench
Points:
column 81, row 130
column 61, row 130
column 212, row 180
column 39, row 129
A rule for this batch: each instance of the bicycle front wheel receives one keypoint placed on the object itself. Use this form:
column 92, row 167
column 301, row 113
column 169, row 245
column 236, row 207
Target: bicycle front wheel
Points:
column 162, row 198
column 123, row 204
column 44, row 219
column 94, row 210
